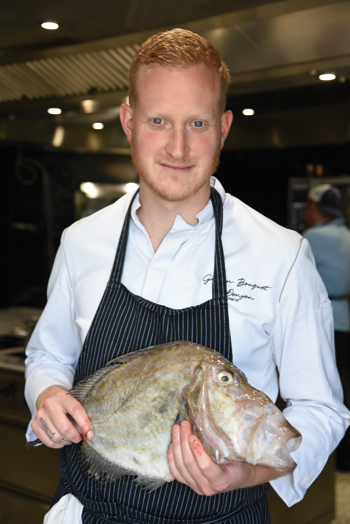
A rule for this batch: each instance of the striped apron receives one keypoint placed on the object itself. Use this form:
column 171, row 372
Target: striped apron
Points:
column 125, row 322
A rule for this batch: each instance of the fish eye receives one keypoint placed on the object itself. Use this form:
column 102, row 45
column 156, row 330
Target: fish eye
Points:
column 225, row 377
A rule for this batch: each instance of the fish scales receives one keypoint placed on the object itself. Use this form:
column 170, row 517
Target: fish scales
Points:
column 134, row 402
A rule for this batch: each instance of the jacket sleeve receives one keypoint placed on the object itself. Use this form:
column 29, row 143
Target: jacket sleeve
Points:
column 55, row 345
column 303, row 339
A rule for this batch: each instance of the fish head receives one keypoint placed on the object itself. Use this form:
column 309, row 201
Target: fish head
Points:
column 235, row 421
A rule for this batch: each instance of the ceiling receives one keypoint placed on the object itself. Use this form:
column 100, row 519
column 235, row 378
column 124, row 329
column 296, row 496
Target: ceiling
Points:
column 275, row 51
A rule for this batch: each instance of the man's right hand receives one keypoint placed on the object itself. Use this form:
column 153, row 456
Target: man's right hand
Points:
column 51, row 424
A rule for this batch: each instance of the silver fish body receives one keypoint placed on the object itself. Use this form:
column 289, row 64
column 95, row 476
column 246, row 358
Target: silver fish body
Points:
column 135, row 400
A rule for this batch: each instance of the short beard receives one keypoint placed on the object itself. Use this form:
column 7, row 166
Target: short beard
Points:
column 168, row 195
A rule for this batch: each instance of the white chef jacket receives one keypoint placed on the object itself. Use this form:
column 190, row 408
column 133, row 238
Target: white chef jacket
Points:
column 280, row 316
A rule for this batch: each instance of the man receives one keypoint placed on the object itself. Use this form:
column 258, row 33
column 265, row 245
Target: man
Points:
column 182, row 260
column 330, row 243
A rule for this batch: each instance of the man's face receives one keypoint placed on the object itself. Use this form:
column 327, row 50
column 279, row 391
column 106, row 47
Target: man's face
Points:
column 176, row 129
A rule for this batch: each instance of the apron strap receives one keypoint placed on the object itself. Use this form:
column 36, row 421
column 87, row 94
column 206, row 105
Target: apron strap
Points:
column 117, row 269
column 219, row 278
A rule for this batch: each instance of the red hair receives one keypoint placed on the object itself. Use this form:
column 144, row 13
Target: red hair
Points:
column 178, row 49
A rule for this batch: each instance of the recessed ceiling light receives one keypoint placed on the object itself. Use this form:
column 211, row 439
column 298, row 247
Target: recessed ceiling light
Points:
column 327, row 76
column 88, row 106
column 49, row 25
column 248, row 112
column 98, row 125
column 54, row 111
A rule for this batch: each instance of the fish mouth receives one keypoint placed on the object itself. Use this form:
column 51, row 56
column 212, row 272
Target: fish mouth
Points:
column 282, row 460
column 272, row 441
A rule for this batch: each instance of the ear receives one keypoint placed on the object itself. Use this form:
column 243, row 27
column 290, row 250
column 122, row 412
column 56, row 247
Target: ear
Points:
column 126, row 120
column 313, row 206
column 226, row 121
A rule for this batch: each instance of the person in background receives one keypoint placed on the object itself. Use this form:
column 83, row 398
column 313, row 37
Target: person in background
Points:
column 183, row 260
column 329, row 238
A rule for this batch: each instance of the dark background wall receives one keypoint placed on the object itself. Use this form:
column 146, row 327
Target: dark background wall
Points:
column 38, row 187
column 260, row 177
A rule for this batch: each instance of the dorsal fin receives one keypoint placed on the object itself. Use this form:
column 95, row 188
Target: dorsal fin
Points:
column 123, row 359
column 80, row 390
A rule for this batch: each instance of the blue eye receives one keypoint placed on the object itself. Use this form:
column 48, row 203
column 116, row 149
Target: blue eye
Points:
column 157, row 121
column 198, row 123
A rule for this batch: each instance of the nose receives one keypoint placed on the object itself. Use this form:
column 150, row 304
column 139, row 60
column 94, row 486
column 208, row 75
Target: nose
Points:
column 177, row 145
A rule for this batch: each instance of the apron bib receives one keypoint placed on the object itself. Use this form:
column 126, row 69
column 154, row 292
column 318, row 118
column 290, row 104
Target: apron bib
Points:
column 125, row 322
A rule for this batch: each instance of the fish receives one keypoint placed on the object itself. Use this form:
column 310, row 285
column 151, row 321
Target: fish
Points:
column 134, row 401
